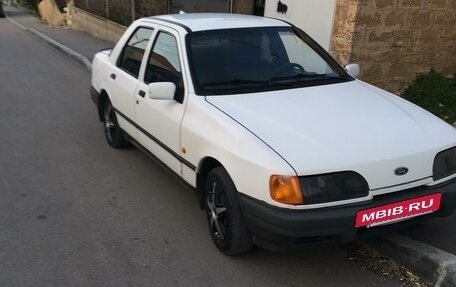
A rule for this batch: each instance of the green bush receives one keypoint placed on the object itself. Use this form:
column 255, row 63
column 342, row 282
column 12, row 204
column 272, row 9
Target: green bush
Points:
column 435, row 93
column 28, row 4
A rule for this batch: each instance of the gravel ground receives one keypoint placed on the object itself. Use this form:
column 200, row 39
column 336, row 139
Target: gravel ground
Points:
column 365, row 257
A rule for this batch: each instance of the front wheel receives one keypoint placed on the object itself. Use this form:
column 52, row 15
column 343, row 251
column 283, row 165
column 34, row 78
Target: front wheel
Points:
column 224, row 216
column 113, row 132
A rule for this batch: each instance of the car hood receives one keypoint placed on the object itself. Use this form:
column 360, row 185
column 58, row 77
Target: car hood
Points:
column 346, row 126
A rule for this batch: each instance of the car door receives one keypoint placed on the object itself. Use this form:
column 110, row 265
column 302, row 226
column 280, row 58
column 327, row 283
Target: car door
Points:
column 124, row 79
column 160, row 120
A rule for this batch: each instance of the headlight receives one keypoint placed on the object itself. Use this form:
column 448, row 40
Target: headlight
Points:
column 317, row 189
column 444, row 164
column 333, row 187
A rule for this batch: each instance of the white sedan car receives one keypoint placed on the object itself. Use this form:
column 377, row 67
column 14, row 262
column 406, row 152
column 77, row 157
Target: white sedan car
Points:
column 282, row 145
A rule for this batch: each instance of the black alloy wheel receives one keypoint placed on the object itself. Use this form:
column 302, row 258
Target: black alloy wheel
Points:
column 112, row 130
column 223, row 211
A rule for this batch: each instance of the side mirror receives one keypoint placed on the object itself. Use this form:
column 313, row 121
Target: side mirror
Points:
column 352, row 70
column 162, row 90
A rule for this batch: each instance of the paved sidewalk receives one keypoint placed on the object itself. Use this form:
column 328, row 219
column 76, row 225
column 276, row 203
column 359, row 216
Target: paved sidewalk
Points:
column 78, row 41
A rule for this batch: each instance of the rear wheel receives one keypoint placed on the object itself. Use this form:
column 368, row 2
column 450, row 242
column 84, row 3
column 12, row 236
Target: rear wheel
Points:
column 224, row 216
column 112, row 130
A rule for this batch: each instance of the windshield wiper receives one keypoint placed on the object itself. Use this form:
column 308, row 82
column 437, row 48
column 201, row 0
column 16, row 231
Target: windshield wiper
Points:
column 233, row 82
column 305, row 77
column 245, row 82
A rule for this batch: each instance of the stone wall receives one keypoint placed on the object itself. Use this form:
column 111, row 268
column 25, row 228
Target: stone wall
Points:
column 393, row 40
column 96, row 26
column 151, row 7
column 243, row 6
column 111, row 31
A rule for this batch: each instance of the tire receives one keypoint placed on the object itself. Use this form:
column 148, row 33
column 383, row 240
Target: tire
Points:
column 112, row 130
column 223, row 211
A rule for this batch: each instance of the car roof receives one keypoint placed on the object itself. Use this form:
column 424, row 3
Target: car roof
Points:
column 215, row 21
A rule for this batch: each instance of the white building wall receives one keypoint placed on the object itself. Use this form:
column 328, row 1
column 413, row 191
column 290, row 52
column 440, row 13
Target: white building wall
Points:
column 315, row 17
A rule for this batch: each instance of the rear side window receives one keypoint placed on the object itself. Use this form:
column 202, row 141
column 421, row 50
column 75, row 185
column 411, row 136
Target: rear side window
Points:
column 164, row 64
column 133, row 52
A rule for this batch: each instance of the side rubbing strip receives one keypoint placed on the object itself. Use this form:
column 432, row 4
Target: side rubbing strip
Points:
column 173, row 153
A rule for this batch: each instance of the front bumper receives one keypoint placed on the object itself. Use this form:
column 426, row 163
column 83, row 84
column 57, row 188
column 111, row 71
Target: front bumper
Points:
column 279, row 228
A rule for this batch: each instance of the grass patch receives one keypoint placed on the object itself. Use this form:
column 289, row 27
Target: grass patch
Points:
column 435, row 93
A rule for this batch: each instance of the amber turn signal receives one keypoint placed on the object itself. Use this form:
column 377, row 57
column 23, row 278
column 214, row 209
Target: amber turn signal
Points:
column 285, row 189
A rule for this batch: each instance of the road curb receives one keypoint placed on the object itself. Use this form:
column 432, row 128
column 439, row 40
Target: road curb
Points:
column 433, row 265
column 14, row 22
column 75, row 56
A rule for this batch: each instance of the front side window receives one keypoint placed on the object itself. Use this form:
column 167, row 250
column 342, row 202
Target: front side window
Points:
column 258, row 59
column 133, row 52
column 164, row 64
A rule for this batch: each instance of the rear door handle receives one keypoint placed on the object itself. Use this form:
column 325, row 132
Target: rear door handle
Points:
column 141, row 93
column 113, row 76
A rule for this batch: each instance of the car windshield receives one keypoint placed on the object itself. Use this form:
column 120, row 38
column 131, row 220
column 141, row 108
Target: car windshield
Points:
column 259, row 59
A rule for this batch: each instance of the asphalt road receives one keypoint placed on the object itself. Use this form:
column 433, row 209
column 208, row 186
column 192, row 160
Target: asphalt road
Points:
column 74, row 212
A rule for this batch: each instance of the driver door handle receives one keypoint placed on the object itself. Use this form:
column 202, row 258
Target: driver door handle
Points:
column 141, row 93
